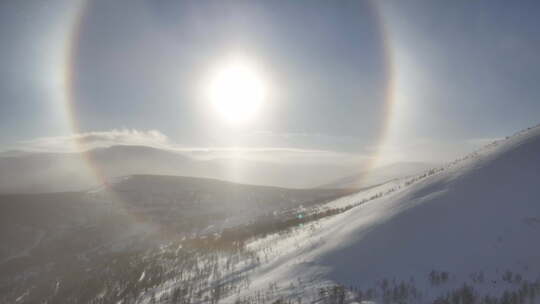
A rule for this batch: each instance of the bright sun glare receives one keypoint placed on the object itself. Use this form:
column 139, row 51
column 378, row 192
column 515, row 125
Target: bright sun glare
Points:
column 237, row 92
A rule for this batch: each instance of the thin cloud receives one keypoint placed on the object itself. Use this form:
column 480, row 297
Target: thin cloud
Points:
column 155, row 139
column 91, row 140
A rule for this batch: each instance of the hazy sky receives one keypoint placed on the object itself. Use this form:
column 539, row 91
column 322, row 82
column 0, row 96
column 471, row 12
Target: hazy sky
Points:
column 461, row 72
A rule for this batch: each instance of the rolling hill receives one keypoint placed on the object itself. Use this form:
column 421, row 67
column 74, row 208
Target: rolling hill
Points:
column 39, row 172
column 69, row 238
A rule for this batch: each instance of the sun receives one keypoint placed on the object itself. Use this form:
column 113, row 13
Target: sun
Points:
column 237, row 92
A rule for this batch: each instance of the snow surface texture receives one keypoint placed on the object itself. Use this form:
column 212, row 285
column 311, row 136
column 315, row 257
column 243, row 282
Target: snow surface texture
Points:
column 480, row 214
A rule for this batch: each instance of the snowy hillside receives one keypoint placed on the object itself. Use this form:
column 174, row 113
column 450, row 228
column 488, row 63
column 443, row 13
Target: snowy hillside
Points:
column 54, row 244
column 191, row 204
column 475, row 222
column 454, row 234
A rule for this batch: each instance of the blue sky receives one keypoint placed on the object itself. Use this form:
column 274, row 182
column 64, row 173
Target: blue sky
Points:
column 465, row 71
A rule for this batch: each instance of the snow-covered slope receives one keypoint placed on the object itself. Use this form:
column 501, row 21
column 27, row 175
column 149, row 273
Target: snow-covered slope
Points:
column 476, row 219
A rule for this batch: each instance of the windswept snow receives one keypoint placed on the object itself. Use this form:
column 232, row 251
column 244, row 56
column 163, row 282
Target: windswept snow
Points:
column 480, row 214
